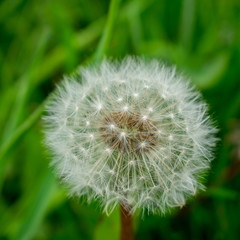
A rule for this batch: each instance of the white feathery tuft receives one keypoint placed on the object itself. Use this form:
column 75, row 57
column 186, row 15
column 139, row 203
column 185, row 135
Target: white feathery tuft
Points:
column 130, row 132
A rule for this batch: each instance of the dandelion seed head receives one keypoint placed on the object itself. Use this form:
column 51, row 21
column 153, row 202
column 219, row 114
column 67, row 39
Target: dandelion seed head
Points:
column 130, row 132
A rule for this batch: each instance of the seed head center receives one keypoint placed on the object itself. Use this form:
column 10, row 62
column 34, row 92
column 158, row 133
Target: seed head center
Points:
column 128, row 132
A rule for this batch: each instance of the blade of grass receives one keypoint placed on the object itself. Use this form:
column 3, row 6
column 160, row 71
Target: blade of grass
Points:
column 110, row 224
column 19, row 132
column 220, row 168
column 187, row 23
column 107, row 34
column 222, row 193
column 56, row 58
column 23, row 88
column 38, row 208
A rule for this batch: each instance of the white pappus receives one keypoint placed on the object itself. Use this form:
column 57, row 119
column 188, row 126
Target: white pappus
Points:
column 133, row 132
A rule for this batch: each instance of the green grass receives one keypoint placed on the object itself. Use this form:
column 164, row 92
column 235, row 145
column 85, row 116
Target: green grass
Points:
column 42, row 40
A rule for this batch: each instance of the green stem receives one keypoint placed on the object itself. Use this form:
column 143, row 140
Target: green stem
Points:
column 107, row 34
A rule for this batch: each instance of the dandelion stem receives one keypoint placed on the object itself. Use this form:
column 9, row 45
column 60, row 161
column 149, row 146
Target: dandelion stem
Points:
column 126, row 223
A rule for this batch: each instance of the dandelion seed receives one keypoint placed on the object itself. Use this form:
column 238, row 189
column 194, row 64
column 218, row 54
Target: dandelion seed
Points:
column 99, row 106
column 108, row 150
column 122, row 134
column 111, row 172
column 112, row 126
column 131, row 163
column 143, row 144
column 149, row 162
column 150, row 109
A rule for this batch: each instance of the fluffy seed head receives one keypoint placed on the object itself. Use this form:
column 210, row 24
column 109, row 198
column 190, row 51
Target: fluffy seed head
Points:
column 130, row 132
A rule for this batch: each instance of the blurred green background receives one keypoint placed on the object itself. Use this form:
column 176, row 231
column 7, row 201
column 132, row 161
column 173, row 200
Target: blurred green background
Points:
column 42, row 40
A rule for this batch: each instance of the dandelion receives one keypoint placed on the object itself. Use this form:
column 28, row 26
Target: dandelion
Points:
column 130, row 132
